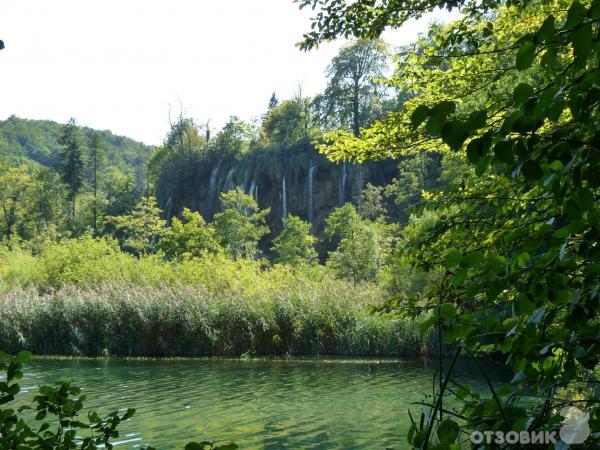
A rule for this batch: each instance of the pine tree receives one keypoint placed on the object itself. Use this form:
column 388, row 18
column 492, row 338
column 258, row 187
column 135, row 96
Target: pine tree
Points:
column 96, row 154
column 70, row 161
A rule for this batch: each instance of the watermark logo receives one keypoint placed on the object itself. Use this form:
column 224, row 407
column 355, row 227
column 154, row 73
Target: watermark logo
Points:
column 575, row 430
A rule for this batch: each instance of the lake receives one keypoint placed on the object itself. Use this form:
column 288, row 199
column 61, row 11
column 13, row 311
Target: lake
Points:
column 267, row 404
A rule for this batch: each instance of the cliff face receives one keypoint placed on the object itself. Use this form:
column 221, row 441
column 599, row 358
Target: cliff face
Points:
column 295, row 180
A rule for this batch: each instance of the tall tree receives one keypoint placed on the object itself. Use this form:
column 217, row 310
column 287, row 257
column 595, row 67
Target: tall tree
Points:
column 353, row 87
column 96, row 156
column 71, row 160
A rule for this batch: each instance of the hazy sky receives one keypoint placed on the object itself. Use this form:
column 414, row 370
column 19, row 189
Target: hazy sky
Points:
column 122, row 64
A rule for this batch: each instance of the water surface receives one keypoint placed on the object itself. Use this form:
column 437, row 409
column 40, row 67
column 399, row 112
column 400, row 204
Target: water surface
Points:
column 270, row 404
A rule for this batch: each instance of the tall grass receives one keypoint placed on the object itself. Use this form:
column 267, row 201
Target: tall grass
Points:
column 86, row 297
column 184, row 321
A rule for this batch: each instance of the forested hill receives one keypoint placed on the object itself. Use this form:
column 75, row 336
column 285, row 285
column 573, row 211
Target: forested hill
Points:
column 25, row 141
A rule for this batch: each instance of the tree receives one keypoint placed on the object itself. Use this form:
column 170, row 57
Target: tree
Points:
column 284, row 123
column 240, row 224
column 235, row 137
column 70, row 161
column 360, row 254
column 97, row 156
column 353, row 88
column 372, row 207
column 189, row 237
column 142, row 228
column 295, row 245
column 511, row 85
column 14, row 185
column 273, row 101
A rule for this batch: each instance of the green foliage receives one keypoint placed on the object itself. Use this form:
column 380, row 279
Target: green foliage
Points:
column 240, row 224
column 71, row 160
column 372, row 202
column 280, row 312
column 35, row 142
column 295, row 245
column 286, row 122
column 189, row 237
column 513, row 86
column 58, row 419
column 141, row 228
column 352, row 98
column 361, row 245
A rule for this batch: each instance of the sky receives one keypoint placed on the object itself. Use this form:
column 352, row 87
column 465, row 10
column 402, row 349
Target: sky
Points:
column 126, row 65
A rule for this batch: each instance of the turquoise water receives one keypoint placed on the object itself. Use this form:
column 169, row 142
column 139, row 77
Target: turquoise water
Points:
column 268, row 404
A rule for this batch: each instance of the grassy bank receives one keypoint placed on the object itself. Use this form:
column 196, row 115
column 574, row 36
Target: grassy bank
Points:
column 183, row 321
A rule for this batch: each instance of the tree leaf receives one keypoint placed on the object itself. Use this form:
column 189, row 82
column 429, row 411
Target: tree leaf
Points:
column 437, row 117
column 521, row 93
column 454, row 133
column 476, row 120
column 448, row 431
column 575, row 15
column 546, row 30
column 525, row 55
column 453, row 259
column 419, row 115
column 582, row 38
column 532, row 170
column 503, row 152
column 22, row 357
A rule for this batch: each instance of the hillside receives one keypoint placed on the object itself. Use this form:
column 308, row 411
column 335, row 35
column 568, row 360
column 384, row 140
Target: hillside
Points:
column 31, row 142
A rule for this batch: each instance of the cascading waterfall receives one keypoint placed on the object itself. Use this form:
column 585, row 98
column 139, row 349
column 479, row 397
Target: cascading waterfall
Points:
column 283, row 199
column 252, row 186
column 342, row 185
column 212, row 186
column 229, row 181
column 311, row 205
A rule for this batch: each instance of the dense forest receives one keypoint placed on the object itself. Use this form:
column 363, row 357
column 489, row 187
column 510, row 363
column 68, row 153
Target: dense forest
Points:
column 449, row 209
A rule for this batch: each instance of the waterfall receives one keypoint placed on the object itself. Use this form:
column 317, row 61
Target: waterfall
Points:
column 342, row 185
column 252, row 186
column 212, row 186
column 229, row 181
column 311, row 203
column 283, row 200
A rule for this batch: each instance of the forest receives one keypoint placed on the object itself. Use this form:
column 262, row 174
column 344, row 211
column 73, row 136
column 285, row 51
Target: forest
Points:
column 437, row 200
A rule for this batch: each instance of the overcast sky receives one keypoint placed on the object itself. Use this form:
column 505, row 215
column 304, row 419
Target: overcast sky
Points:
column 122, row 64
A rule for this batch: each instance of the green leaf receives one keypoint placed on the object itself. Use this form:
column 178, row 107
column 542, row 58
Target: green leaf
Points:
column 582, row 38
column 476, row 120
column 525, row 55
column 454, row 134
column 194, row 446
column 437, row 117
column 503, row 152
column 546, row 30
column 532, row 170
column 585, row 199
column 521, row 93
column 448, row 431
column 482, row 165
column 230, row 446
column 419, row 115
column 22, row 357
column 453, row 259
column 447, row 311
column 575, row 15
